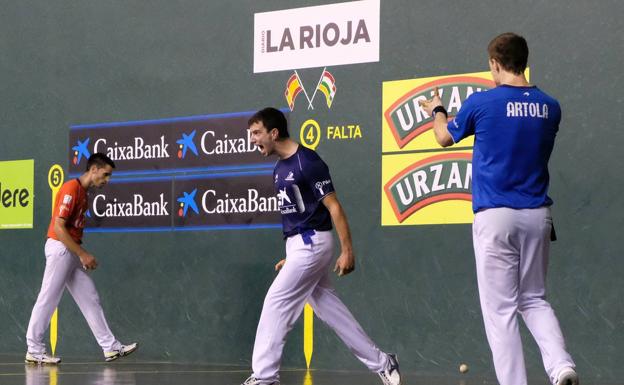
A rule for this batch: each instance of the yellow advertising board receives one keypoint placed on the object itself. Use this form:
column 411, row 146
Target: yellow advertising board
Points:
column 17, row 194
column 421, row 183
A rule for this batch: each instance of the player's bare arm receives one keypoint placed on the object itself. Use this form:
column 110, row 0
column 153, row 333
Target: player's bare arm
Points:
column 86, row 259
column 443, row 137
column 280, row 264
column 346, row 261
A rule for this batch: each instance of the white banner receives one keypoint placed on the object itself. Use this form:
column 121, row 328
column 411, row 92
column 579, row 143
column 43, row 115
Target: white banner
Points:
column 325, row 35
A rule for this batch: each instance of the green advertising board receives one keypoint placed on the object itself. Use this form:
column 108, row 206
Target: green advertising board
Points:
column 16, row 194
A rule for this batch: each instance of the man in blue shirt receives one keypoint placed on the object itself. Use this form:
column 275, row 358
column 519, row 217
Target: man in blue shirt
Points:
column 308, row 204
column 514, row 127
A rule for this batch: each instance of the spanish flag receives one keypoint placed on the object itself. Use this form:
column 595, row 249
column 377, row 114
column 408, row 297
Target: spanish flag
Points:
column 327, row 86
column 293, row 88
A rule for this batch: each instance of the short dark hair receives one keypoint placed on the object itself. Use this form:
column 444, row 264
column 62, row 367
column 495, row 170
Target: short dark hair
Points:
column 511, row 51
column 271, row 118
column 99, row 160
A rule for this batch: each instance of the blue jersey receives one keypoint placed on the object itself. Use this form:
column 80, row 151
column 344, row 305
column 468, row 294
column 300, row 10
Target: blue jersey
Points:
column 514, row 129
column 301, row 183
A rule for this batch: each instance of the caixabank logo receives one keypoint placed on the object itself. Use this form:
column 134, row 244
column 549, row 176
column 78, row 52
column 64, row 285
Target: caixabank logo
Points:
column 130, row 205
column 81, row 151
column 421, row 183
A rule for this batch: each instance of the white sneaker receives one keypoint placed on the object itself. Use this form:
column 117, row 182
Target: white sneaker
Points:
column 123, row 351
column 391, row 376
column 41, row 358
column 567, row 376
column 254, row 381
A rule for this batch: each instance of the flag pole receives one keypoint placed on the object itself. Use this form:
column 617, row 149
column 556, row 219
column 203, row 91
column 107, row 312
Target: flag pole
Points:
column 316, row 89
column 304, row 91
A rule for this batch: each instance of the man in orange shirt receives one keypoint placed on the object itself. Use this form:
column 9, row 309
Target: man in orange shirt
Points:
column 67, row 264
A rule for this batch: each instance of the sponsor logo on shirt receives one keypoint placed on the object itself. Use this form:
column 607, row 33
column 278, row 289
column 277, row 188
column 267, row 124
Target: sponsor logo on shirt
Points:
column 319, row 185
column 282, row 197
column 290, row 176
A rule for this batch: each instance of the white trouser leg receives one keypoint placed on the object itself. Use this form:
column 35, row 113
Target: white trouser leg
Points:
column 497, row 259
column 330, row 309
column 82, row 288
column 511, row 250
column 304, row 267
column 535, row 310
column 285, row 299
column 59, row 264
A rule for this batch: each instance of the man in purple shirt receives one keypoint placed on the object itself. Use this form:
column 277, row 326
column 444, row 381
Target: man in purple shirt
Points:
column 308, row 204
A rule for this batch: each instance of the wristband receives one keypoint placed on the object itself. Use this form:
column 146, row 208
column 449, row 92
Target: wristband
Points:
column 439, row 109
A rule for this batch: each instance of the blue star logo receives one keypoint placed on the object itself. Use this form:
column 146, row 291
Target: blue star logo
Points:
column 188, row 200
column 186, row 143
column 81, row 150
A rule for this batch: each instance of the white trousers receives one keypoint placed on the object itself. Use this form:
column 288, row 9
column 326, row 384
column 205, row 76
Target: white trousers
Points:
column 63, row 269
column 305, row 277
column 511, row 250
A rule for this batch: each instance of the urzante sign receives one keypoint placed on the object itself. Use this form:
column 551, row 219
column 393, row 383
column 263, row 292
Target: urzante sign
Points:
column 319, row 36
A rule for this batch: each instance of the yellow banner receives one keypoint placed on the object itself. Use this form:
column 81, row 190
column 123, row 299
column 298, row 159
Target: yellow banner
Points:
column 426, row 188
column 17, row 194
column 422, row 185
column 406, row 126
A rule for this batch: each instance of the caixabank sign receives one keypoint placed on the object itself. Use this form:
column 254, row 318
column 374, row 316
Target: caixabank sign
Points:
column 422, row 184
column 204, row 202
column 240, row 200
column 186, row 144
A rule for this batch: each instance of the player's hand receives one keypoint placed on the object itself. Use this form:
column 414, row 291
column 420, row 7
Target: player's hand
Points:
column 430, row 104
column 88, row 261
column 345, row 263
column 279, row 265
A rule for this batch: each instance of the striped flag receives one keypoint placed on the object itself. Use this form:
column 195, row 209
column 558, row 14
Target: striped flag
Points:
column 293, row 88
column 327, row 86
